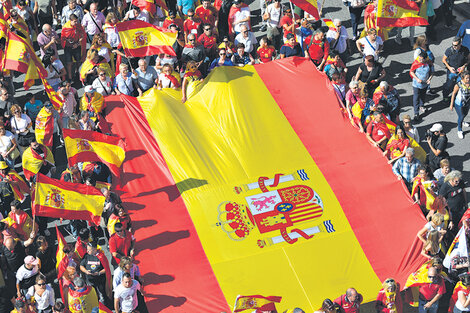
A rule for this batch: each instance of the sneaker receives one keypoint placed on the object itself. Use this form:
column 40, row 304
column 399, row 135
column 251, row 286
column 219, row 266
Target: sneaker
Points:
column 432, row 91
column 465, row 124
column 460, row 134
column 398, row 40
column 263, row 28
column 422, row 110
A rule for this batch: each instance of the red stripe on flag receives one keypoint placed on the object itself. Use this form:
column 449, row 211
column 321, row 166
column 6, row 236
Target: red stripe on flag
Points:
column 150, row 50
column 308, row 7
column 401, row 22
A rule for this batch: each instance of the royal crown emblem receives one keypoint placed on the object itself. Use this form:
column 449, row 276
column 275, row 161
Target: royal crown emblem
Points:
column 282, row 209
column 140, row 39
column 55, row 198
column 24, row 56
column 83, row 145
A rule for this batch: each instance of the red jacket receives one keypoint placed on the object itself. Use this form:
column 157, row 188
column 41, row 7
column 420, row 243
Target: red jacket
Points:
column 347, row 306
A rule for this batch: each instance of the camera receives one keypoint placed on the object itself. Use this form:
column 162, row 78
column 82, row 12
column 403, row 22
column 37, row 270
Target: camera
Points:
column 429, row 134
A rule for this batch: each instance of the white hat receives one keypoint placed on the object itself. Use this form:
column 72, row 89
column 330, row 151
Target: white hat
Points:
column 89, row 88
column 436, row 127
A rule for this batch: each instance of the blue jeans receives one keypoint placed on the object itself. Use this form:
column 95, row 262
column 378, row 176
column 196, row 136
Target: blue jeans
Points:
column 458, row 311
column 451, row 80
column 355, row 14
column 419, row 96
column 462, row 111
column 432, row 309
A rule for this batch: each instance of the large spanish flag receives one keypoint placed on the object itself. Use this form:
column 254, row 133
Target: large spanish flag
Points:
column 90, row 146
column 17, row 54
column 257, row 185
column 44, row 128
column 309, row 6
column 140, row 38
column 400, row 13
column 59, row 199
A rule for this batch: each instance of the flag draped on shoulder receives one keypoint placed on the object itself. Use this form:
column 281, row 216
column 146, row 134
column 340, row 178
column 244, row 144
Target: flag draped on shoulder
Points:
column 44, row 127
column 399, row 13
column 33, row 161
column 415, row 280
column 59, row 199
column 90, row 146
column 258, row 302
column 140, row 39
column 309, row 6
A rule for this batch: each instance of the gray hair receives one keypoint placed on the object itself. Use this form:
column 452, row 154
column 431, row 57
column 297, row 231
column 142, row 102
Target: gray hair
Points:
column 318, row 31
column 142, row 61
column 353, row 83
column 452, row 175
column 336, row 21
column 79, row 282
column 384, row 84
column 410, row 151
column 298, row 310
column 45, row 27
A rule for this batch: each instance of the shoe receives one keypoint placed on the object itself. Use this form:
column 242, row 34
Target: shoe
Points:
column 47, row 233
column 432, row 91
column 446, row 99
column 398, row 40
column 465, row 124
column 460, row 134
column 416, row 119
column 263, row 28
column 422, row 110
column 354, row 38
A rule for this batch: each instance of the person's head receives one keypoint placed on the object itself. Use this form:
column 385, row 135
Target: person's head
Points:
column 421, row 41
column 372, row 34
column 354, row 86
column 21, row 4
column 79, row 282
column 58, row 307
column 84, row 234
column 136, row 10
column 363, row 95
column 84, row 116
column 409, row 154
column 222, row 53
column 437, row 219
column 206, row 3
column 73, row 20
column 192, row 39
column 167, row 69
column 241, row 48
column 244, row 31
column 352, row 295
column 20, row 305
column 422, row 56
column 287, row 11
column 30, row 262
column 119, row 229
column 238, row 3
column 456, row 43
column 327, row 305
column 4, row 94
column 126, row 280
column 432, row 242
column 142, row 65
column 101, row 74
column 123, row 69
column 72, row 4
column 190, row 14
column 119, row 210
column 333, row 55
column 291, row 39
column 383, row 86
column 337, row 22
column 453, row 178
column 41, row 243
column 336, row 78
column 16, row 110
column 126, row 264
column 369, row 60
column 436, row 129
column 389, row 285
column 264, row 42
column 277, row 3
column 92, row 248
column 378, row 117
column 41, row 281
column 439, row 204
column 94, row 8
column 2, row 133
column 407, row 121
column 47, row 29
column 15, row 207
column 423, row 172
column 35, row 145
column 93, row 56
column 445, row 166
column 318, row 34
column 98, row 40
column 48, row 107
column 436, row 262
column 465, row 76
column 191, row 66
column 465, row 279
column 400, row 132
column 111, row 18
column 172, row 14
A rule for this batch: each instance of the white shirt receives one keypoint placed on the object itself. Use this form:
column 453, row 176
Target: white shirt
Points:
column 372, row 48
column 5, row 141
column 100, row 86
column 341, row 44
column 166, row 83
column 53, row 76
column 127, row 296
column 112, row 36
column 241, row 15
column 24, row 273
column 413, row 133
column 142, row 16
column 45, row 300
column 274, row 15
column 20, row 124
column 249, row 41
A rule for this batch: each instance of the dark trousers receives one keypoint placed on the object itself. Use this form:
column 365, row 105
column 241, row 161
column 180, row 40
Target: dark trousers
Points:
column 462, row 112
column 355, row 14
column 419, row 97
column 447, row 8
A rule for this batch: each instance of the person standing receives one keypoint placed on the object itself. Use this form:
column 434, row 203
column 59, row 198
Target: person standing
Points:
column 429, row 294
column 437, row 145
column 455, row 60
column 125, row 295
column 422, row 71
column 453, row 190
column 461, row 100
column 93, row 22
column 355, row 8
column 464, row 34
column 407, row 167
column 351, row 301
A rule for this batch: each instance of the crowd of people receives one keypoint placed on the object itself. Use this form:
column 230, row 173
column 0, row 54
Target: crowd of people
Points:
column 209, row 35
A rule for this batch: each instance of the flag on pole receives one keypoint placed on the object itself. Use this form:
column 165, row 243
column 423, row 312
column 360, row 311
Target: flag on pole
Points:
column 399, row 13
column 309, row 6
column 44, row 127
column 60, row 255
column 90, row 146
column 140, row 39
column 329, row 23
column 55, row 198
column 458, row 248
column 261, row 303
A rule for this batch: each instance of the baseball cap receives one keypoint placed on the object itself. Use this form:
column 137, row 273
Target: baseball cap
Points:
column 436, row 127
column 89, row 88
column 3, row 165
column 31, row 260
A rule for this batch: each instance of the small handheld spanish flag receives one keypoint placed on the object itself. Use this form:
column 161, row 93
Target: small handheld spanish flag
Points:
column 257, row 302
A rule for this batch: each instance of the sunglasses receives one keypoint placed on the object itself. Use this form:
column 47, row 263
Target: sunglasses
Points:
column 207, row 29
column 191, row 39
column 191, row 15
column 43, row 284
column 221, row 53
column 388, row 281
column 102, row 74
column 16, row 112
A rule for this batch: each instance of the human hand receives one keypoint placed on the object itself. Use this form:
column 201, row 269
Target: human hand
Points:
column 427, row 305
column 183, row 99
column 452, row 70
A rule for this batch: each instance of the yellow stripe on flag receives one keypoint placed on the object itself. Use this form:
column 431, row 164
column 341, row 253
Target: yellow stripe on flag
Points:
column 108, row 152
column 223, row 160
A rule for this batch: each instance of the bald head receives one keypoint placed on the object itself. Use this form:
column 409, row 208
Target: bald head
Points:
column 46, row 28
